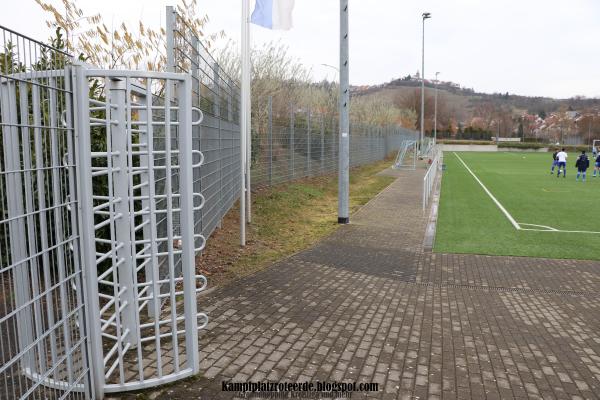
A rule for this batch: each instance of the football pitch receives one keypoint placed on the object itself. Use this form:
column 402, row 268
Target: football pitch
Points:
column 509, row 204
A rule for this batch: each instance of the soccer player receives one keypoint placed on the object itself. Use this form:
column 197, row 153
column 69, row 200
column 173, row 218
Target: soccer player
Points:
column 582, row 164
column 554, row 161
column 597, row 166
column 561, row 156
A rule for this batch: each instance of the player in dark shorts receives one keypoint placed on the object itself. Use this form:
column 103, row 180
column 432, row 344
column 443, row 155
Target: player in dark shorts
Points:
column 582, row 164
column 597, row 166
column 554, row 161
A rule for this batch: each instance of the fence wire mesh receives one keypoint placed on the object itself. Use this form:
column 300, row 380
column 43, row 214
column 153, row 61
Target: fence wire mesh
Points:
column 43, row 338
column 99, row 180
column 218, row 136
column 303, row 143
column 287, row 145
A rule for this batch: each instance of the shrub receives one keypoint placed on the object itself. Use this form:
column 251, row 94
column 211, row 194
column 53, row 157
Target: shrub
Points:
column 475, row 142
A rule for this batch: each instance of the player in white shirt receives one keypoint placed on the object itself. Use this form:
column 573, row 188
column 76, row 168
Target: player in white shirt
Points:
column 562, row 162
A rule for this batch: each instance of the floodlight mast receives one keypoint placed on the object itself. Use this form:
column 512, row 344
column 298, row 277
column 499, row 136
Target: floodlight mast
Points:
column 435, row 109
column 425, row 16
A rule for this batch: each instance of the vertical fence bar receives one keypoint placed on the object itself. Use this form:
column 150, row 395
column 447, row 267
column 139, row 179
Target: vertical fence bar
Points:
column 270, row 133
column 322, row 157
column 170, row 33
column 308, row 144
column 16, row 225
column 118, row 137
column 217, row 112
column 292, row 143
column 86, row 224
column 187, row 226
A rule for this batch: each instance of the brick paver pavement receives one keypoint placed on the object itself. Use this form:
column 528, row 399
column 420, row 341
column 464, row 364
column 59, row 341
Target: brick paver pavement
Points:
column 368, row 304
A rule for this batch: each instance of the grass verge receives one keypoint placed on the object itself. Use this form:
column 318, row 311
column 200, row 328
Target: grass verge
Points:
column 285, row 219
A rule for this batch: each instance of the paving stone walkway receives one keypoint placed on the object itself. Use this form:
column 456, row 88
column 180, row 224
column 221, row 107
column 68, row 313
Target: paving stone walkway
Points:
column 369, row 304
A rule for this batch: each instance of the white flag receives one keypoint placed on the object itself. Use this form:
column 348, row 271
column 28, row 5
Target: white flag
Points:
column 273, row 14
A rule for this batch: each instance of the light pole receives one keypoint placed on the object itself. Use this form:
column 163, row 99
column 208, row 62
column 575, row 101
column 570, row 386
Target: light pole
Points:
column 344, row 139
column 435, row 109
column 425, row 16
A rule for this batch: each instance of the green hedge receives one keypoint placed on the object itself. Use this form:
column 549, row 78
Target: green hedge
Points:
column 475, row 142
column 534, row 146
column 521, row 145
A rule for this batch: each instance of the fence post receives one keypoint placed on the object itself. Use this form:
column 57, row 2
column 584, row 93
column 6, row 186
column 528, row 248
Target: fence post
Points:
column 188, row 272
column 322, row 143
column 121, row 172
column 15, row 215
column 217, row 113
column 308, row 143
column 334, row 141
column 145, row 166
column 292, row 144
column 86, row 224
column 170, row 31
column 270, row 132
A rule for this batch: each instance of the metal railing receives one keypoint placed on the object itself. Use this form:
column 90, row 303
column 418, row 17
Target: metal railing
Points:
column 431, row 175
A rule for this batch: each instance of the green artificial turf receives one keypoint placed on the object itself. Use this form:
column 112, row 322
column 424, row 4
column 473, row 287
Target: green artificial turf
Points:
column 470, row 222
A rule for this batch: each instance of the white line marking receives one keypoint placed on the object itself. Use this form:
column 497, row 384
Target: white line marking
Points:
column 500, row 206
column 556, row 230
column 547, row 228
column 514, row 223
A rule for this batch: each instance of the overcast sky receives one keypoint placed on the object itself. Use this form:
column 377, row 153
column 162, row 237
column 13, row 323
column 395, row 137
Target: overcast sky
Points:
column 529, row 47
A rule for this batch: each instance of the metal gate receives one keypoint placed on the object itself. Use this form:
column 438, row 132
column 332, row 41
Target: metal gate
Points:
column 97, row 240
column 137, row 204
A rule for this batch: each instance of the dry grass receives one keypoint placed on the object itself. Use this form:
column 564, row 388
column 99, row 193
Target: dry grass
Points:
column 286, row 219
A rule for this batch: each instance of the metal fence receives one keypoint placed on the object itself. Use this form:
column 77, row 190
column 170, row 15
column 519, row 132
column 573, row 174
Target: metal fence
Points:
column 430, row 178
column 218, row 135
column 299, row 144
column 303, row 144
column 43, row 339
column 110, row 183
column 97, row 244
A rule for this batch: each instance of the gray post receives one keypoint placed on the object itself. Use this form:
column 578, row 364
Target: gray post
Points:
column 292, row 144
column 344, row 139
column 308, row 144
column 425, row 16
column 217, row 112
column 129, row 318
column 270, row 127
column 435, row 109
column 322, row 143
column 334, row 140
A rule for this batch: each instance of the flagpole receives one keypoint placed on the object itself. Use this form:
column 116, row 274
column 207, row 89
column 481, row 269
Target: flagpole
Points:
column 245, row 89
column 249, row 123
column 344, row 139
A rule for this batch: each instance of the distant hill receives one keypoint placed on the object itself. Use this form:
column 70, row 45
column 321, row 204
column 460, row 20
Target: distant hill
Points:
column 462, row 101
